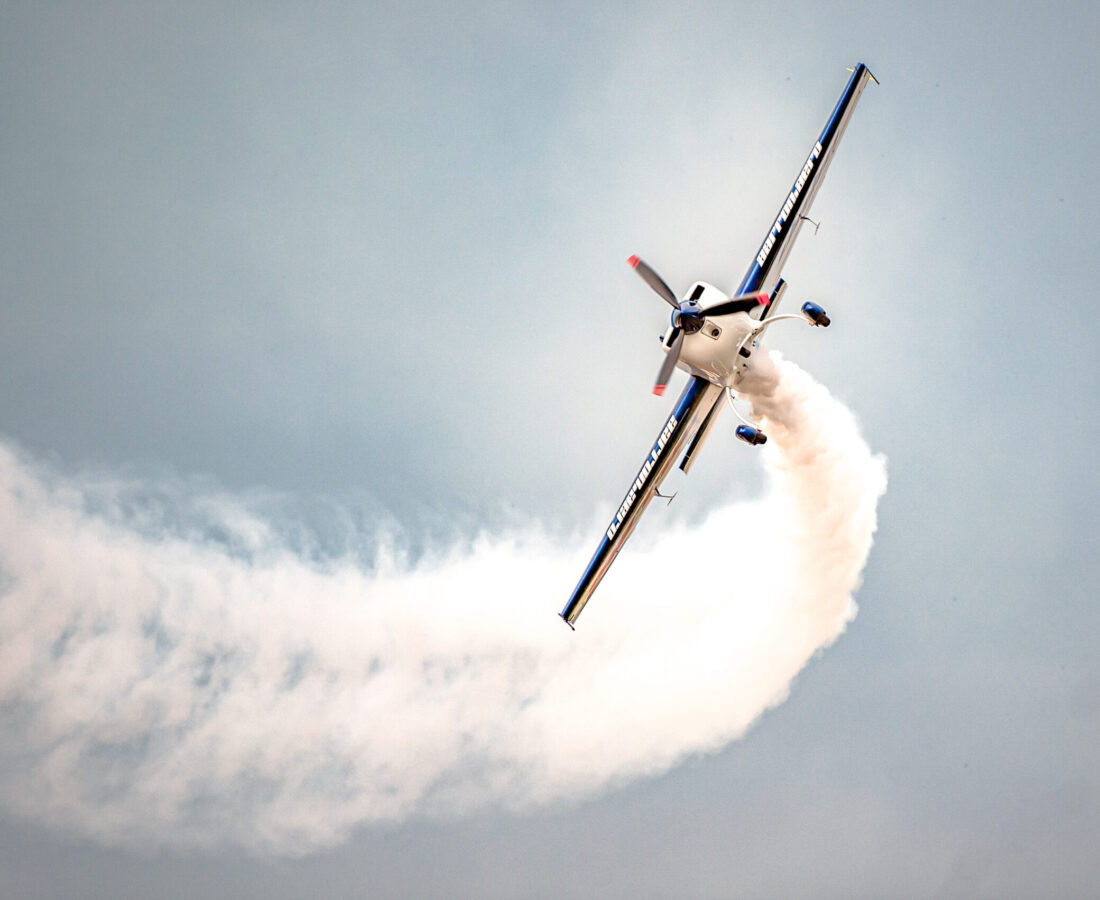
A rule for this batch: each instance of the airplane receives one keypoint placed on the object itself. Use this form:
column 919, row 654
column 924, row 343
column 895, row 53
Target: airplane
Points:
column 712, row 337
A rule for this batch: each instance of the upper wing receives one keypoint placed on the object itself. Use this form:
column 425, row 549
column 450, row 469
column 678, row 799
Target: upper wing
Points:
column 695, row 402
column 773, row 252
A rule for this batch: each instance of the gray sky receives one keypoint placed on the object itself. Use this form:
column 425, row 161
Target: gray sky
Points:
column 366, row 264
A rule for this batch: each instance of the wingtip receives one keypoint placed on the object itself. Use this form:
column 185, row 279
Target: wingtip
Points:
column 864, row 65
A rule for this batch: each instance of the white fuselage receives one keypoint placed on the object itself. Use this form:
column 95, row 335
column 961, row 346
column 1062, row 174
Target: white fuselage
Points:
column 712, row 352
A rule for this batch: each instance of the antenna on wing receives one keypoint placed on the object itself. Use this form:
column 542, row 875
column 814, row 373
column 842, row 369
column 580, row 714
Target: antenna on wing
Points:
column 816, row 225
column 668, row 497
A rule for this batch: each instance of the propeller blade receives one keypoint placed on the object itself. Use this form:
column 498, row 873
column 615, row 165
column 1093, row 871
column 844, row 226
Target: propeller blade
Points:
column 654, row 281
column 744, row 303
column 669, row 364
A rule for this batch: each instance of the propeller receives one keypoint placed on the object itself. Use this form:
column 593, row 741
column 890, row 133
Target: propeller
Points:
column 686, row 319
column 688, row 316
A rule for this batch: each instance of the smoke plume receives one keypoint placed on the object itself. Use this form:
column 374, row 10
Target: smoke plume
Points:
column 158, row 685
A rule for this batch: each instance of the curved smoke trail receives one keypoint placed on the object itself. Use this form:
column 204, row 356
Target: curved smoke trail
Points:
column 156, row 686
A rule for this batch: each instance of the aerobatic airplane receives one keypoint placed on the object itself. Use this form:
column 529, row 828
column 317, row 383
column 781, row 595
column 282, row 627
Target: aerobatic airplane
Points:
column 713, row 337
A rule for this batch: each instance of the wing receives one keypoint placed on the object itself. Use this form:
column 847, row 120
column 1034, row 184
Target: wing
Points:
column 773, row 252
column 694, row 404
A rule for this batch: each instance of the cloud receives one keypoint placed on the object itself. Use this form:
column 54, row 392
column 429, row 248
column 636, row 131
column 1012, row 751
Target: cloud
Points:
column 198, row 681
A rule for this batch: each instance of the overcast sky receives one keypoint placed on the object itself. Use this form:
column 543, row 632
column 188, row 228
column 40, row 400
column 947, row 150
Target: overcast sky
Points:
column 361, row 268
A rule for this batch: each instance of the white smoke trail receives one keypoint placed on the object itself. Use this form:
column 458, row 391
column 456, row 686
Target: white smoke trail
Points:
column 159, row 687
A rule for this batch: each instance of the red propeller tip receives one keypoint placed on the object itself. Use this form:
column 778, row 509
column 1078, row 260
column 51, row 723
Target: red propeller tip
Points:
column 763, row 299
column 633, row 262
column 659, row 389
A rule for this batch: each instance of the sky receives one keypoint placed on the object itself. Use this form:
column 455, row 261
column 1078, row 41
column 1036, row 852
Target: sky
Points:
column 302, row 305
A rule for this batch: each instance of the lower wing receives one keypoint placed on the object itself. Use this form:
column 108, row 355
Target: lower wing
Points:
column 697, row 400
